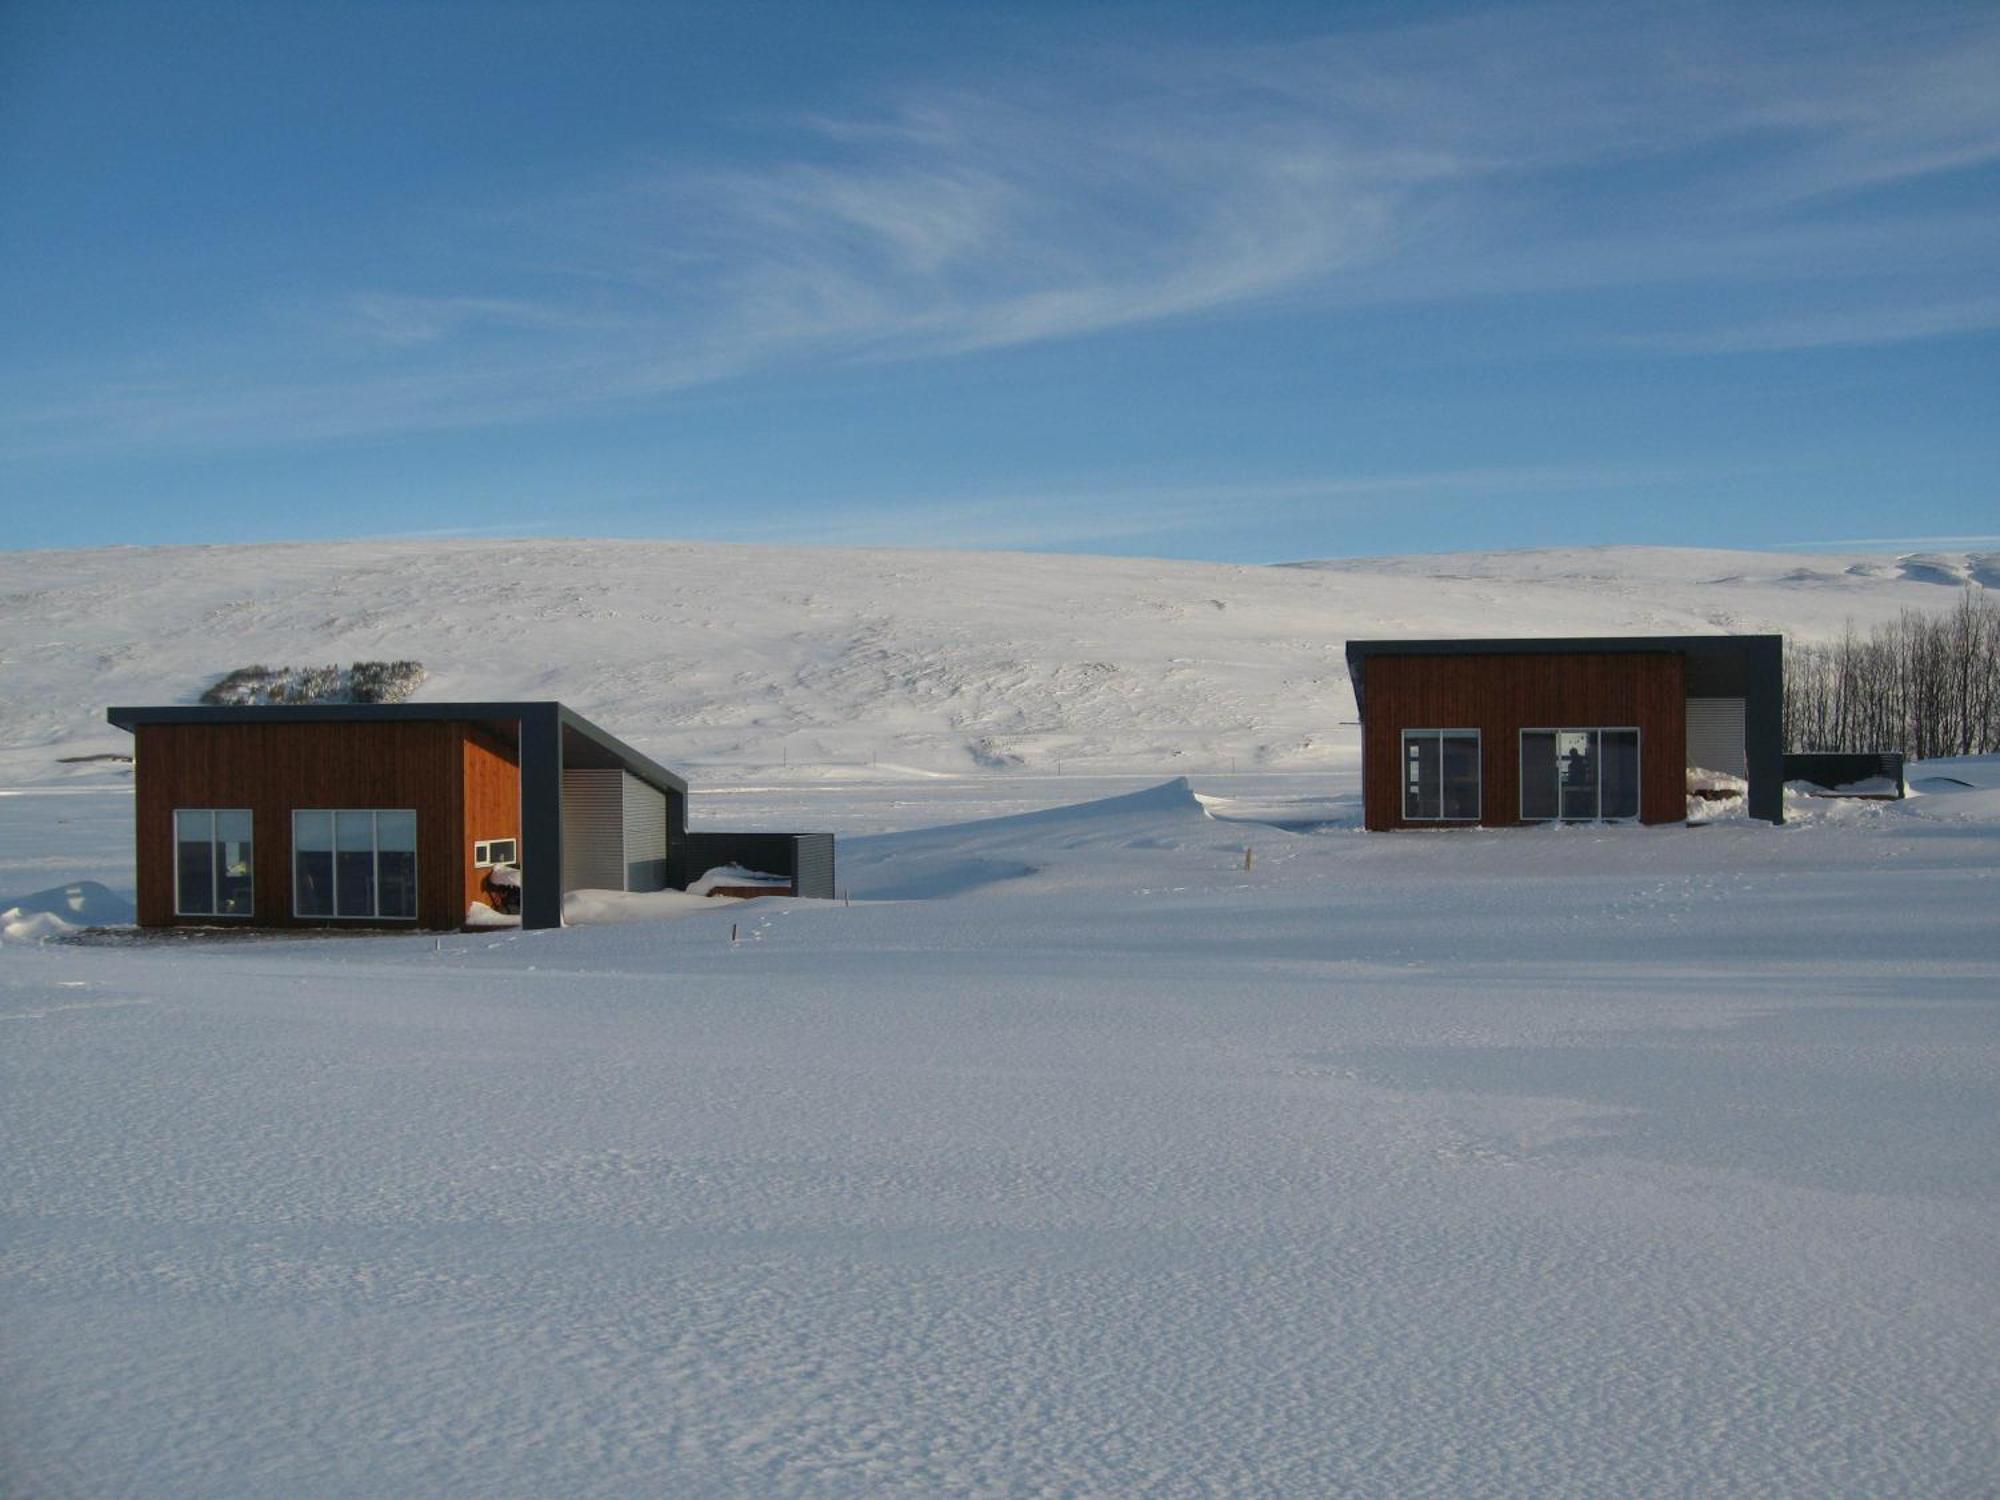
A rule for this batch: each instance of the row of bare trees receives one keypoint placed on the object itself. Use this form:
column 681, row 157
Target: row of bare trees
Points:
column 1924, row 684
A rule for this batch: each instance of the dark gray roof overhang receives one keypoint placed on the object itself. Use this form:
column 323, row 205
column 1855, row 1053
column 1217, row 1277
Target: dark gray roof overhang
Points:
column 1719, row 665
column 584, row 743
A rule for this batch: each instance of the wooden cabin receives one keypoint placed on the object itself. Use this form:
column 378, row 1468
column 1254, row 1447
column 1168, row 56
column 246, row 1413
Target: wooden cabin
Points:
column 1504, row 732
column 405, row 815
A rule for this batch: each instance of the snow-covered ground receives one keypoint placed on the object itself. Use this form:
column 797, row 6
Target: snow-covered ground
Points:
column 1073, row 1156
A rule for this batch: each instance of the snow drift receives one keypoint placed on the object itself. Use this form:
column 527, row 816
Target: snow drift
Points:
column 61, row 909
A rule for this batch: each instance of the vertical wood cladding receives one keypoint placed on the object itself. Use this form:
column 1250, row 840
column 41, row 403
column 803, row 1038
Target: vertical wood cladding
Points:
column 273, row 769
column 492, row 803
column 1500, row 695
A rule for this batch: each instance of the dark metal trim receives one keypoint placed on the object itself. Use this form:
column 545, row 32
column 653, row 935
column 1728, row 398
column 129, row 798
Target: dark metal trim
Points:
column 541, row 814
column 1764, row 725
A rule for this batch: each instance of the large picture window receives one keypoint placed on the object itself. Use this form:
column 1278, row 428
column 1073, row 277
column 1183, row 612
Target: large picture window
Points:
column 213, row 862
column 354, row 863
column 1579, row 775
column 1441, row 775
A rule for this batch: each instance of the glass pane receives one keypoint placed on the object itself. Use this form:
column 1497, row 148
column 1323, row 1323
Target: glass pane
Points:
column 396, row 863
column 194, row 861
column 1576, row 753
column 1420, row 776
column 354, row 864
column 312, row 864
column 233, row 869
column 1460, row 764
column 397, row 871
column 1538, row 775
column 1621, row 772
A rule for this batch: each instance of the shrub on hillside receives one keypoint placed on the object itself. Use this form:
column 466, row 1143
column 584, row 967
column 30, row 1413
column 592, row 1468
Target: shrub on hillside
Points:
column 360, row 682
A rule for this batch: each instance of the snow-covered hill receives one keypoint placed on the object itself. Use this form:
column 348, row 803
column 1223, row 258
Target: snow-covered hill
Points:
column 718, row 656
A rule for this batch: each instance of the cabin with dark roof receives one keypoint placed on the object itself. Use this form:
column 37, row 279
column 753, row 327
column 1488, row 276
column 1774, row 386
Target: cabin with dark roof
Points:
column 405, row 815
column 1503, row 732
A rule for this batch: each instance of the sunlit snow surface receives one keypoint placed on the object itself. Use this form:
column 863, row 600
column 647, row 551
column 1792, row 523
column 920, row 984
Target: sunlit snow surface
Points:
column 1580, row 1162
column 815, row 663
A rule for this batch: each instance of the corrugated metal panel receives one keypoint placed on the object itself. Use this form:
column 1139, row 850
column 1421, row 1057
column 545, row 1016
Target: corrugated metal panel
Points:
column 812, row 870
column 593, row 836
column 1715, row 735
column 645, row 836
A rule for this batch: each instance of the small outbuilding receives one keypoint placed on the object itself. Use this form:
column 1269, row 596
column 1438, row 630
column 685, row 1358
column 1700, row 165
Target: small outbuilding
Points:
column 1503, row 732
column 403, row 814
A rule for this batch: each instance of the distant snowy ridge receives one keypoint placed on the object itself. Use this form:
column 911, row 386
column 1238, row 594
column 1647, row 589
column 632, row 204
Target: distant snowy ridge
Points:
column 801, row 662
column 1612, row 564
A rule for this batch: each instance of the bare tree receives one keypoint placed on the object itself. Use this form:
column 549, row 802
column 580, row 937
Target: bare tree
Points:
column 1924, row 684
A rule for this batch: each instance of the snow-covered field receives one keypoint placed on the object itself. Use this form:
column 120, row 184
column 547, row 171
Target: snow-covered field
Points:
column 1073, row 1157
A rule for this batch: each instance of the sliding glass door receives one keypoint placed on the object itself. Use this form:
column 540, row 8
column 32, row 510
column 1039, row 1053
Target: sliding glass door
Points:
column 1441, row 775
column 354, row 863
column 1579, row 775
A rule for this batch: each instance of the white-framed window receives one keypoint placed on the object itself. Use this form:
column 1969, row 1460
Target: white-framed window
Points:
column 354, row 862
column 486, row 853
column 1580, row 775
column 1440, row 775
column 214, row 862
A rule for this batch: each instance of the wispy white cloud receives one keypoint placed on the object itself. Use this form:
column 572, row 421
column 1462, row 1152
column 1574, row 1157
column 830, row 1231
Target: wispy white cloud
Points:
column 1840, row 328
column 446, row 533
column 1098, row 514
column 1525, row 149
column 405, row 321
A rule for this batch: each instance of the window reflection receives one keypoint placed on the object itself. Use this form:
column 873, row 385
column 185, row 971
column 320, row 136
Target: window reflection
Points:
column 1579, row 775
column 1441, row 775
column 354, row 863
column 213, row 862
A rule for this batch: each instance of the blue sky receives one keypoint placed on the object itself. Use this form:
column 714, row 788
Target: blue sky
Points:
column 1245, row 282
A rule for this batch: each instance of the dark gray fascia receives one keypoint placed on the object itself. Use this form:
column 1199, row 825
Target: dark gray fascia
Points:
column 1358, row 652
column 646, row 769
column 541, row 755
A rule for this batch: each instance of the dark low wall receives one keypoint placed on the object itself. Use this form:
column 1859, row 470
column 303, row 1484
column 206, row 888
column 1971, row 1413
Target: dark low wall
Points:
column 806, row 858
column 1831, row 769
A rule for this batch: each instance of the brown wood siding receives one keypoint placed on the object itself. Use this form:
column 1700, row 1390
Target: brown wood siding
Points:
column 273, row 769
column 1502, row 695
column 492, row 802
